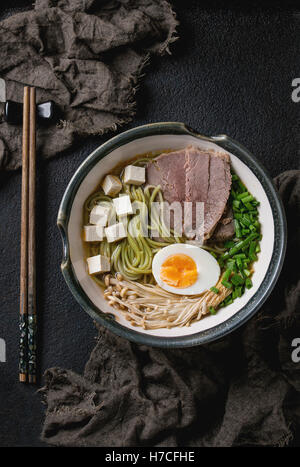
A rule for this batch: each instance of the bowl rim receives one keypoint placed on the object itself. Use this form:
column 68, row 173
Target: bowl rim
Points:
column 241, row 316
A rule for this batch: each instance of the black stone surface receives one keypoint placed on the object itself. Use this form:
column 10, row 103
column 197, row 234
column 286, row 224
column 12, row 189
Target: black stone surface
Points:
column 231, row 72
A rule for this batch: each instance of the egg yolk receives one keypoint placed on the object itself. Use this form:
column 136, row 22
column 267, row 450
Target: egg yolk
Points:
column 179, row 271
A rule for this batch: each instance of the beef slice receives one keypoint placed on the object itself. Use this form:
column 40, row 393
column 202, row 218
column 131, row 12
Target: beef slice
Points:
column 194, row 175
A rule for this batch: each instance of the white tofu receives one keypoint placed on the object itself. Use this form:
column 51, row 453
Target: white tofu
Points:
column 97, row 264
column 111, row 185
column 124, row 219
column 93, row 233
column 99, row 215
column 123, row 205
column 134, row 175
column 115, row 232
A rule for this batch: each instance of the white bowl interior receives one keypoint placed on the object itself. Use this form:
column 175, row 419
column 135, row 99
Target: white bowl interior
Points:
column 154, row 143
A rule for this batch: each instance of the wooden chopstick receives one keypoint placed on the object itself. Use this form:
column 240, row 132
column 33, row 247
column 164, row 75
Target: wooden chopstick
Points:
column 24, row 241
column 27, row 353
column 31, row 242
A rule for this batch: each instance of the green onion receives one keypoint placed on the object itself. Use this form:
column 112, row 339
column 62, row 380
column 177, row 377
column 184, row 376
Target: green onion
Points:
column 237, row 280
column 243, row 251
column 239, row 246
column 229, row 244
column 241, row 186
column 226, row 284
column 231, row 265
column 240, row 255
column 252, row 249
column 237, row 228
column 227, row 274
column 239, row 263
column 228, row 301
column 246, row 220
column 247, row 199
column 243, row 195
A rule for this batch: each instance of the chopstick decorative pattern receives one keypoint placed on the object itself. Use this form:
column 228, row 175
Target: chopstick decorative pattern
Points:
column 27, row 326
column 23, row 348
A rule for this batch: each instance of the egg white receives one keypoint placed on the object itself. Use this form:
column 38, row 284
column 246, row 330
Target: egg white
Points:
column 208, row 268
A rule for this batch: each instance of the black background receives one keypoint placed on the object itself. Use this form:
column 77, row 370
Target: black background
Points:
column 230, row 72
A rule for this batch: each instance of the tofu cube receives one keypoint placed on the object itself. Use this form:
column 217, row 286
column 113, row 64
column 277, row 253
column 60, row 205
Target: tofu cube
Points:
column 134, row 175
column 124, row 220
column 115, row 232
column 93, row 233
column 111, row 185
column 98, row 264
column 99, row 215
column 123, row 205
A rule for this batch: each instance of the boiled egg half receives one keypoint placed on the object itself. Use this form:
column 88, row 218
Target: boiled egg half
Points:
column 185, row 269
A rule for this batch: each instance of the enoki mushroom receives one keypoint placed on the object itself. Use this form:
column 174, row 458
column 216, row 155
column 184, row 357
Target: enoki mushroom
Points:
column 151, row 307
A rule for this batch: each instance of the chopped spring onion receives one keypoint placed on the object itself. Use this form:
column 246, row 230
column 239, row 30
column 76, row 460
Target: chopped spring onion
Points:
column 237, row 280
column 239, row 246
column 226, row 284
column 227, row 274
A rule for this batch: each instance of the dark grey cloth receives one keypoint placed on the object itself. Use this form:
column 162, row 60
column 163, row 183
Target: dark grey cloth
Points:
column 242, row 390
column 85, row 55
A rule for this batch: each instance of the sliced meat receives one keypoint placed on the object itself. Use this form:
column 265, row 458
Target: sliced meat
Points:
column 196, row 183
column 194, row 175
column 208, row 180
column 167, row 170
column 227, row 215
column 225, row 228
column 197, row 170
column 223, row 232
column 219, row 189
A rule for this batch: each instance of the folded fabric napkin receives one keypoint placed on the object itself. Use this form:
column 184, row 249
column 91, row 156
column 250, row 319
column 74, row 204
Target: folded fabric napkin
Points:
column 242, row 390
column 85, row 55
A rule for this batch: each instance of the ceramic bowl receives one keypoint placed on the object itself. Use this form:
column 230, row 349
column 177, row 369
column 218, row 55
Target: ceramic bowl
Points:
column 160, row 136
